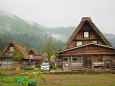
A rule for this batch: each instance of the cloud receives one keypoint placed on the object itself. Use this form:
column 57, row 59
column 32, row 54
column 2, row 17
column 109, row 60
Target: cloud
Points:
column 58, row 13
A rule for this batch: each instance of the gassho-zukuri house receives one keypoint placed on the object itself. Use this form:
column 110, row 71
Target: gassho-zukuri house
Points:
column 6, row 55
column 87, row 49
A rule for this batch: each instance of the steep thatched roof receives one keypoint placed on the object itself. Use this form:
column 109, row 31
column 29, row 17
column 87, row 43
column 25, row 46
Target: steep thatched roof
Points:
column 19, row 48
column 33, row 50
column 93, row 27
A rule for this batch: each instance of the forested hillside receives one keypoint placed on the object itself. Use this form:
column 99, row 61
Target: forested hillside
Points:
column 16, row 29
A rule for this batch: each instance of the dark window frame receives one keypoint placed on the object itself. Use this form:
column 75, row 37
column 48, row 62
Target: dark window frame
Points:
column 65, row 59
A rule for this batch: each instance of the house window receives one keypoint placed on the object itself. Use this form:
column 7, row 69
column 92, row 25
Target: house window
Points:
column 11, row 48
column 7, row 63
column 10, row 62
column 78, row 43
column 77, row 59
column 65, row 59
column 4, row 62
column 74, row 59
column 86, row 34
column 94, row 41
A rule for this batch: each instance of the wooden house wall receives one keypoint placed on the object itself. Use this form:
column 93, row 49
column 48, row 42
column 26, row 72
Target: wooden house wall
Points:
column 15, row 63
column 105, row 63
column 72, row 65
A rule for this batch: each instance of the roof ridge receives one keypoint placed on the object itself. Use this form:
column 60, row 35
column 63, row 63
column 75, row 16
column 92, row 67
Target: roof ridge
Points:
column 14, row 42
column 86, row 19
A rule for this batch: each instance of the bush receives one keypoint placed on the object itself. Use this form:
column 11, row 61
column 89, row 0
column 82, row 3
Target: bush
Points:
column 5, row 68
column 28, row 68
column 38, row 65
column 54, row 67
column 18, row 68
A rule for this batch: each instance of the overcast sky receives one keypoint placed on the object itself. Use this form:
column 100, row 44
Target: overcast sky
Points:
column 64, row 13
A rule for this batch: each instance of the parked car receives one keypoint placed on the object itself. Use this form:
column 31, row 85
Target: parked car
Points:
column 45, row 66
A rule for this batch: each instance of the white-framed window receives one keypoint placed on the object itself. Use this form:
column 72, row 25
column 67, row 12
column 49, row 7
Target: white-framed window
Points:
column 10, row 62
column 94, row 41
column 11, row 48
column 78, row 43
column 86, row 34
column 4, row 62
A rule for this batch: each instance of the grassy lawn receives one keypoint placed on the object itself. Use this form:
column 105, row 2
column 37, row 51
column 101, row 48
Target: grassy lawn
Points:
column 79, row 79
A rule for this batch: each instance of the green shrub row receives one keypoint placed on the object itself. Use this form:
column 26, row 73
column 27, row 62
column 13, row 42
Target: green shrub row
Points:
column 84, row 72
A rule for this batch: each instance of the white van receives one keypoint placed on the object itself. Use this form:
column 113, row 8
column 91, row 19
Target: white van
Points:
column 45, row 66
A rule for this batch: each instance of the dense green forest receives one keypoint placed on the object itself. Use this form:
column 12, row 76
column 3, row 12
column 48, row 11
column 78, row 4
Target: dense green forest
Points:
column 28, row 41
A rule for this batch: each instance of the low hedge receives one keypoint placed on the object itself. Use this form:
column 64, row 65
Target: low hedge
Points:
column 28, row 68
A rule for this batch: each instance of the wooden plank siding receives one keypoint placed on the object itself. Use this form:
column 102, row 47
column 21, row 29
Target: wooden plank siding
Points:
column 84, row 63
column 93, row 36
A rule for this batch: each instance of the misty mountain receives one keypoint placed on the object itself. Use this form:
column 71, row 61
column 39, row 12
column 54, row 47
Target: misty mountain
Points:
column 16, row 29
column 14, row 24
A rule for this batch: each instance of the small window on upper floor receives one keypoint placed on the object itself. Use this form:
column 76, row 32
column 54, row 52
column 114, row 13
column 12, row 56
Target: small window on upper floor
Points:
column 86, row 34
column 94, row 41
column 11, row 48
column 78, row 43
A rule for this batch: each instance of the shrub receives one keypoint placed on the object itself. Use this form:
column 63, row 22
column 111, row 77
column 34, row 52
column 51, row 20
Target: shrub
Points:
column 38, row 65
column 5, row 68
column 18, row 68
column 28, row 68
column 54, row 67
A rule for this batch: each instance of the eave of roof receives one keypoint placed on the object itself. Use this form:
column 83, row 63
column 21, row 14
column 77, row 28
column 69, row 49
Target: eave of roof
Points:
column 87, row 45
